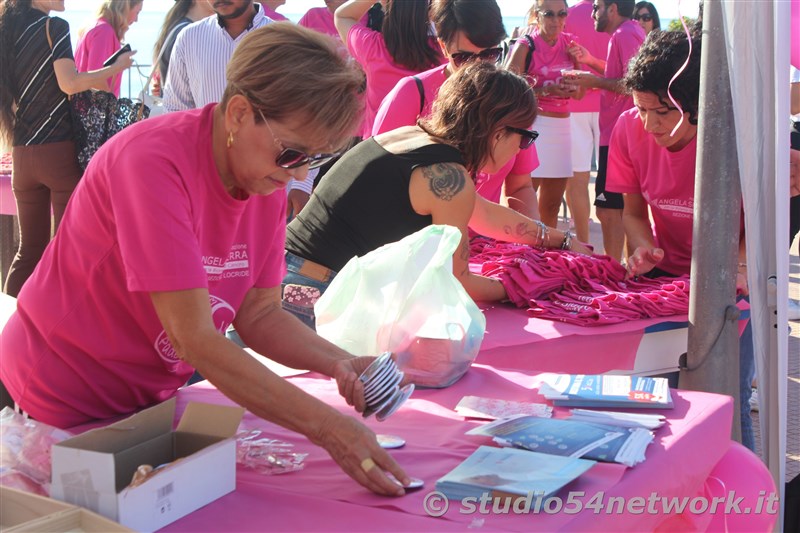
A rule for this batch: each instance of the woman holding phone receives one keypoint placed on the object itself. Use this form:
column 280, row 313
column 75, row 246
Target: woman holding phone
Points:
column 105, row 37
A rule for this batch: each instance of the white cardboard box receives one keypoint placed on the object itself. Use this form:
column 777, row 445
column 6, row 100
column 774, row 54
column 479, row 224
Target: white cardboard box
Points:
column 93, row 470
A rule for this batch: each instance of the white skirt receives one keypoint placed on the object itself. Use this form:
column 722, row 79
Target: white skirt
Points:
column 554, row 147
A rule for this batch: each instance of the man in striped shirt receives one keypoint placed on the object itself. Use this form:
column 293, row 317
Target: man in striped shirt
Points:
column 198, row 62
column 202, row 51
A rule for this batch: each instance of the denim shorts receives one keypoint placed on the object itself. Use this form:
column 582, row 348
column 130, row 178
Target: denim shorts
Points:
column 304, row 283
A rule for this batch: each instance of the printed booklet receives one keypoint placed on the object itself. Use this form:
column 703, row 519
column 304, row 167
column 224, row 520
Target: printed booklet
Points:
column 501, row 471
column 581, row 390
column 570, row 438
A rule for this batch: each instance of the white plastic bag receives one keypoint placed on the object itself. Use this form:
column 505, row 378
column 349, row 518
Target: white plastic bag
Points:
column 403, row 298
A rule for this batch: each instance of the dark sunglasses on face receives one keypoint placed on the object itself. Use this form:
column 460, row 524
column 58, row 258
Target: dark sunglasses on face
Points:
column 290, row 158
column 490, row 54
column 646, row 17
column 552, row 14
column 528, row 136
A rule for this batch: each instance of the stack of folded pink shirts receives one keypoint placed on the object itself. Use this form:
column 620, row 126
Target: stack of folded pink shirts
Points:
column 575, row 288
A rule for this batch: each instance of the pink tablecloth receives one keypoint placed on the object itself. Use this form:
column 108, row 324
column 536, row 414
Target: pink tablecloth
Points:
column 322, row 498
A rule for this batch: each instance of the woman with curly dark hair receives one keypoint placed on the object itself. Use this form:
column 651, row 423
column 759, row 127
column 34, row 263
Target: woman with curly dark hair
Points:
column 404, row 180
column 651, row 161
column 405, row 46
column 38, row 72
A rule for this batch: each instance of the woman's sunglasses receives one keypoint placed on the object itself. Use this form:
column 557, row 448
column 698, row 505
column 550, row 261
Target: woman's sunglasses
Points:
column 528, row 136
column 646, row 17
column 291, row 158
column 490, row 54
column 552, row 14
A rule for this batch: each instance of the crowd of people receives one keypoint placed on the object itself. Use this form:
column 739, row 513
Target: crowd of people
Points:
column 178, row 230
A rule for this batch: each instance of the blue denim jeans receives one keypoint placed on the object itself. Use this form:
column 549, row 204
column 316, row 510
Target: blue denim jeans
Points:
column 297, row 278
column 747, row 372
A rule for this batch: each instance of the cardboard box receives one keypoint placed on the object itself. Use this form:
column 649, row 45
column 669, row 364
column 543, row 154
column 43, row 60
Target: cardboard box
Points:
column 94, row 470
column 23, row 511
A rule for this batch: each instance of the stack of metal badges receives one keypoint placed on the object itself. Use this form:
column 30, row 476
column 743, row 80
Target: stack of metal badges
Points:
column 382, row 390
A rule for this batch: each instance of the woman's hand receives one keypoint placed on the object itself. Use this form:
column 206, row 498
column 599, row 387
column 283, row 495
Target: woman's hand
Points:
column 355, row 449
column 644, row 260
column 346, row 372
column 124, row 61
column 579, row 53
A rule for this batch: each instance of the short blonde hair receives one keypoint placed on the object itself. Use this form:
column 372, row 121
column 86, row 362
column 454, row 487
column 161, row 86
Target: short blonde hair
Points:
column 287, row 70
column 115, row 12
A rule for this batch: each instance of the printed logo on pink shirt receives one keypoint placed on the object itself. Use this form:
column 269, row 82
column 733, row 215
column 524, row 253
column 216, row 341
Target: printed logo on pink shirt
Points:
column 677, row 207
column 236, row 265
column 221, row 312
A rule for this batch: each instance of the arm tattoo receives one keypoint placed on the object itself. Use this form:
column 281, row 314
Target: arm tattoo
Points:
column 463, row 253
column 444, row 179
column 522, row 229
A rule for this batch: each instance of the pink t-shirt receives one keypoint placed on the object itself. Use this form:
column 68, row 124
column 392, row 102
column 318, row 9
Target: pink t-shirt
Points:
column 320, row 19
column 271, row 13
column 150, row 214
column 546, row 65
column 624, row 44
column 581, row 24
column 369, row 49
column 401, row 108
column 490, row 186
column 636, row 164
column 94, row 47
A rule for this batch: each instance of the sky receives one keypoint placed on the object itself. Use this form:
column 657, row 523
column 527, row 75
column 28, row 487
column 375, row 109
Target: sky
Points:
column 667, row 9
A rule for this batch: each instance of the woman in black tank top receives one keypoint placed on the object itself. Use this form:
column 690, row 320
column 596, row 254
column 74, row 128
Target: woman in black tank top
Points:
column 394, row 184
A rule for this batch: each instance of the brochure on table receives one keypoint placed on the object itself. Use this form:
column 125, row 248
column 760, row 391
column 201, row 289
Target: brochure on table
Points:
column 584, row 390
column 503, row 471
column 570, row 438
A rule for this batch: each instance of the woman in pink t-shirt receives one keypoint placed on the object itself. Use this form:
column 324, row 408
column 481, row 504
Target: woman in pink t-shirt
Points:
column 153, row 261
column 544, row 66
column 98, row 43
column 403, row 47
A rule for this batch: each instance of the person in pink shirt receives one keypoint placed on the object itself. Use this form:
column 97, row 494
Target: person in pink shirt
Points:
column 614, row 18
column 652, row 161
column 584, row 120
column 402, row 48
column 321, row 18
column 269, row 9
column 466, row 31
column 548, row 58
column 154, row 261
column 98, row 43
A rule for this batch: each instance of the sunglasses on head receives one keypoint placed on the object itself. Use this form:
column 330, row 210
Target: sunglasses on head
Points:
column 490, row 54
column 290, row 158
column 552, row 14
column 528, row 136
column 646, row 17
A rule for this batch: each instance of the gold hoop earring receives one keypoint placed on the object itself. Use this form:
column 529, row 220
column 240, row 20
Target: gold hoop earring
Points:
column 230, row 139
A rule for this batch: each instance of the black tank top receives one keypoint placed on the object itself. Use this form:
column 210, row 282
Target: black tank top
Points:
column 362, row 203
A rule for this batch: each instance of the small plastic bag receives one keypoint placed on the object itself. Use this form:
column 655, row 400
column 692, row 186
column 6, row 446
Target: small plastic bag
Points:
column 267, row 456
column 403, row 298
column 25, row 452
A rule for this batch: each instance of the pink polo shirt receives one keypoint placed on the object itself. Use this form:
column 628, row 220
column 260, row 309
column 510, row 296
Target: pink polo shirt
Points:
column 94, row 47
column 624, row 44
column 401, row 107
column 85, row 342
column 636, row 164
column 369, row 49
column 581, row 24
column 546, row 65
